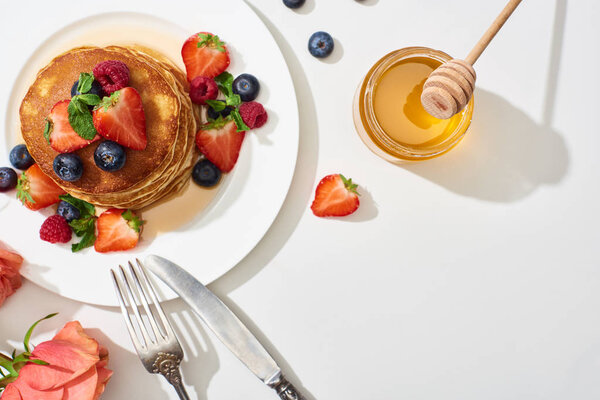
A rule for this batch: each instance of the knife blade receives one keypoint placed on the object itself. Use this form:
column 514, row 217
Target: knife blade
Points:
column 224, row 323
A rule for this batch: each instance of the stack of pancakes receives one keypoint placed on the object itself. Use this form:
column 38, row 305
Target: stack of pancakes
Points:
column 162, row 168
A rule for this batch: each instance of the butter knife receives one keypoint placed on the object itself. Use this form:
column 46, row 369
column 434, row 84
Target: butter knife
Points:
column 223, row 322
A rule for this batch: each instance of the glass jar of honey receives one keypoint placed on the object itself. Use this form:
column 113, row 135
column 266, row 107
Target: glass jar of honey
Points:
column 388, row 114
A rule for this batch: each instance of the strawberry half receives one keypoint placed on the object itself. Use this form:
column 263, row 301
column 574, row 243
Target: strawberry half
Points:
column 204, row 54
column 117, row 230
column 36, row 190
column 335, row 196
column 220, row 142
column 60, row 134
column 121, row 118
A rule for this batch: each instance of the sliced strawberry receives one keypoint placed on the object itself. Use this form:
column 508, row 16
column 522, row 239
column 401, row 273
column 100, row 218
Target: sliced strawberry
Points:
column 220, row 142
column 121, row 118
column 59, row 132
column 204, row 54
column 36, row 190
column 335, row 196
column 117, row 230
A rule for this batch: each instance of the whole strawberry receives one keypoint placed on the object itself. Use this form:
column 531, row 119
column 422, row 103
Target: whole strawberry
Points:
column 335, row 196
column 55, row 229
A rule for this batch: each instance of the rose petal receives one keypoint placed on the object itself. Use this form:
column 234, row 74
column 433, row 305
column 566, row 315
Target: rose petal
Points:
column 83, row 387
column 12, row 260
column 24, row 392
column 11, row 393
column 104, row 375
column 10, row 280
column 103, row 354
column 66, row 360
column 73, row 333
column 6, row 289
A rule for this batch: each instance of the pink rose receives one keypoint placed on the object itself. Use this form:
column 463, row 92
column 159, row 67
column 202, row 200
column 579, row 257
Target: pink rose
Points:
column 10, row 280
column 76, row 371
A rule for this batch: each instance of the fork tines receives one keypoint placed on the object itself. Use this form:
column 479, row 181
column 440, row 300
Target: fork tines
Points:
column 135, row 293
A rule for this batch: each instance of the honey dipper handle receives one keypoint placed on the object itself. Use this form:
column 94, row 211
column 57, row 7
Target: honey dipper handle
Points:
column 491, row 32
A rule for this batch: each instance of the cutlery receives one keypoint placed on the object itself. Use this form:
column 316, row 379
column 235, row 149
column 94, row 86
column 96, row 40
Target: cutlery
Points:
column 223, row 322
column 161, row 352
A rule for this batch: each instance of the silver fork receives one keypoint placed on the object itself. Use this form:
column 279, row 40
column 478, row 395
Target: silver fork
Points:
column 161, row 352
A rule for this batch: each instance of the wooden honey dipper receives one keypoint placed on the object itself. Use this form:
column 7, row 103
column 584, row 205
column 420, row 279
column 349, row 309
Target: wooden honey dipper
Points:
column 450, row 87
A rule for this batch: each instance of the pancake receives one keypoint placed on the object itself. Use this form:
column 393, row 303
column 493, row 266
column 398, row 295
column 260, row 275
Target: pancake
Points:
column 163, row 168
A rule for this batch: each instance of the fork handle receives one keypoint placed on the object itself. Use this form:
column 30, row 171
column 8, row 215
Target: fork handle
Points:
column 286, row 390
column 180, row 389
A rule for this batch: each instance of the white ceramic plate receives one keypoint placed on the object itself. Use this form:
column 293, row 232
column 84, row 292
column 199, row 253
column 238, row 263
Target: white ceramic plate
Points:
column 207, row 232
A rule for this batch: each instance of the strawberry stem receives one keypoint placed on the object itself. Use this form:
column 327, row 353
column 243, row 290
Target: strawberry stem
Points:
column 351, row 187
column 211, row 41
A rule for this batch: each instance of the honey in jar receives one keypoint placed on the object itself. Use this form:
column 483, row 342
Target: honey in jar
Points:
column 388, row 114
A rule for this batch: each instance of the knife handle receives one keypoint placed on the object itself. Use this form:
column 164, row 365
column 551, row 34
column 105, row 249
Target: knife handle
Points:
column 286, row 390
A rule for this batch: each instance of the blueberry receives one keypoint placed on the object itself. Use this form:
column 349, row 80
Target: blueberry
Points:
column 320, row 44
column 293, row 3
column 110, row 156
column 68, row 211
column 68, row 167
column 246, row 86
column 20, row 157
column 206, row 173
column 96, row 89
column 212, row 114
column 8, row 179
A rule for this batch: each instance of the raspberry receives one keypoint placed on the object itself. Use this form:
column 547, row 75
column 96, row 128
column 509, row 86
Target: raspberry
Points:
column 112, row 75
column 55, row 229
column 253, row 114
column 202, row 89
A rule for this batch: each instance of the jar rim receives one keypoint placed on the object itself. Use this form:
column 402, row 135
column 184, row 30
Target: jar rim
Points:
column 374, row 130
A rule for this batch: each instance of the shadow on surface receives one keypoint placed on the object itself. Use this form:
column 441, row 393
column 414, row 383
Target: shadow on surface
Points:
column 307, row 8
column 506, row 155
column 367, row 2
column 201, row 360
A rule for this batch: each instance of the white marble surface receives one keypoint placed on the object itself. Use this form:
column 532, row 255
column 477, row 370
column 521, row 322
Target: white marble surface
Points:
column 473, row 276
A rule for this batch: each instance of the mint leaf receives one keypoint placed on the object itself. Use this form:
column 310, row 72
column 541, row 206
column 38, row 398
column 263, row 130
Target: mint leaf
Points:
column 85, row 209
column 133, row 221
column 225, row 83
column 82, row 225
column 86, row 241
column 86, row 229
column 233, row 100
column 216, row 105
column 80, row 105
column 239, row 122
column 48, row 130
column 81, row 119
column 85, row 82
column 89, row 99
